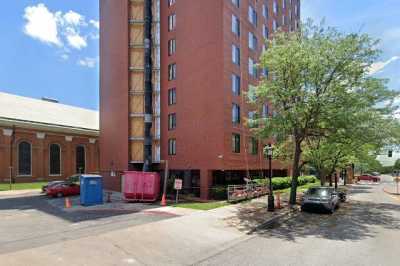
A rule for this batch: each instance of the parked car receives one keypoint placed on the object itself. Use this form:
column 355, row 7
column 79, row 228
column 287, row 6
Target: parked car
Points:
column 63, row 189
column 71, row 179
column 50, row 184
column 321, row 198
column 370, row 178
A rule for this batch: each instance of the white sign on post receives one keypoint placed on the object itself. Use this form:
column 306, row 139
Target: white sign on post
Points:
column 177, row 186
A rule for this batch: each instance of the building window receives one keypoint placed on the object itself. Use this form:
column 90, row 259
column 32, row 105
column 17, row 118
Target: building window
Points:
column 252, row 16
column 235, row 54
column 275, row 7
column 235, row 84
column 235, row 25
column 172, row 96
column 171, row 72
column 265, row 111
column 265, row 11
column 236, row 3
column 80, row 159
column 265, row 32
column 274, row 25
column 24, row 158
column 283, row 4
column 265, row 72
column 171, row 22
column 252, row 68
column 171, row 2
column 172, row 147
column 235, row 143
column 283, row 20
column 252, row 41
column 253, row 143
column 295, row 10
column 171, row 121
column 252, row 120
column 390, row 153
column 55, row 159
column 171, row 47
column 235, row 114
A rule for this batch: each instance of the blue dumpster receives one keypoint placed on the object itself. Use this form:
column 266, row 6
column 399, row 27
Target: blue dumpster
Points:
column 91, row 190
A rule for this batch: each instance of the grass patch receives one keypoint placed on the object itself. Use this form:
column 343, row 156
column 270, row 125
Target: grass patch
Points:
column 22, row 186
column 217, row 204
column 203, row 206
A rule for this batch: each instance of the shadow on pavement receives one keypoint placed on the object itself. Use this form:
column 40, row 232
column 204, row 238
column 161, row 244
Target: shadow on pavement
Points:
column 361, row 189
column 42, row 204
column 353, row 221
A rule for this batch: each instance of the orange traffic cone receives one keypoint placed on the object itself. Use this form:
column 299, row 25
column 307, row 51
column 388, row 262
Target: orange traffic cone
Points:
column 67, row 203
column 278, row 200
column 163, row 200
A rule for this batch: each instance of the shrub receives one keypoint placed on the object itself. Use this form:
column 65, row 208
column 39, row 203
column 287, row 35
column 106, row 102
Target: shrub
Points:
column 218, row 193
column 285, row 182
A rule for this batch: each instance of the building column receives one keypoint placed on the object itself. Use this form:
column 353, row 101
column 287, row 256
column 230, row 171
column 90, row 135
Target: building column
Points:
column 205, row 183
column 6, row 155
column 39, row 161
column 69, row 160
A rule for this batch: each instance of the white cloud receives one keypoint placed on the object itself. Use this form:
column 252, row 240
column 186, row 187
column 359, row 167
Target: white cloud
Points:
column 95, row 23
column 75, row 40
column 59, row 28
column 88, row 62
column 64, row 56
column 379, row 66
column 74, row 18
column 41, row 24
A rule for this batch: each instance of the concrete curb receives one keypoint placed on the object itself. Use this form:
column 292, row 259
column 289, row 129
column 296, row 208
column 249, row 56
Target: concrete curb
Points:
column 275, row 218
column 390, row 193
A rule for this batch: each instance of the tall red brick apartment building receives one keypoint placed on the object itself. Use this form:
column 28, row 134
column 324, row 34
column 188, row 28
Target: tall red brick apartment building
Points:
column 173, row 79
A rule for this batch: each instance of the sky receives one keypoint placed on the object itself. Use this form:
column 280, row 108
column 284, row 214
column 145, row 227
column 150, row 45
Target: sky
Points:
column 50, row 48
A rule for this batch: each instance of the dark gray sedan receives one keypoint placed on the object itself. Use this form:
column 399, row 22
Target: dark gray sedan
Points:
column 321, row 198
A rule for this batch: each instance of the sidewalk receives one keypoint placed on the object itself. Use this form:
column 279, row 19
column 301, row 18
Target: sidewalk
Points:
column 195, row 235
column 18, row 193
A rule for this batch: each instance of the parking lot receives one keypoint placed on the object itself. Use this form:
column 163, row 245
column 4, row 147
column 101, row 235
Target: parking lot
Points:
column 33, row 220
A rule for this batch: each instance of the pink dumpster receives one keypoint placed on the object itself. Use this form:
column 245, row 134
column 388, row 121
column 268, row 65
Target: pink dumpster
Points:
column 140, row 186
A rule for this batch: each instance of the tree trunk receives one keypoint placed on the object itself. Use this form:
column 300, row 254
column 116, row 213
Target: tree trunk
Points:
column 336, row 181
column 296, row 171
column 321, row 177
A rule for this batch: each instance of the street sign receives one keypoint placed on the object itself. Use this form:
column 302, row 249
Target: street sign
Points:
column 178, row 184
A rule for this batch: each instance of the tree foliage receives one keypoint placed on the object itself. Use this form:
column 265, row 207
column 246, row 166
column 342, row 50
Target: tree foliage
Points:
column 319, row 89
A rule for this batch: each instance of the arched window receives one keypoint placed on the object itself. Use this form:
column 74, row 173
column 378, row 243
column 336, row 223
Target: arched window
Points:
column 24, row 158
column 80, row 159
column 55, row 159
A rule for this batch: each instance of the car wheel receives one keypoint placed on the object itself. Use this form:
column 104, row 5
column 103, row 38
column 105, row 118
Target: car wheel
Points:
column 59, row 195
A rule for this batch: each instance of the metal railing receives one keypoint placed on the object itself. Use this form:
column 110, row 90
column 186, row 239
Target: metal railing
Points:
column 244, row 192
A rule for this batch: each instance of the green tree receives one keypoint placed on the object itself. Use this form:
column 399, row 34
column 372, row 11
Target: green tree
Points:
column 318, row 84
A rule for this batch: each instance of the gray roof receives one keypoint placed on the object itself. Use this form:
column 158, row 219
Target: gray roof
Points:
column 18, row 108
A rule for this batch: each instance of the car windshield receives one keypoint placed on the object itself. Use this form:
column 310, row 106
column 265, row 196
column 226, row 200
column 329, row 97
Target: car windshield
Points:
column 320, row 192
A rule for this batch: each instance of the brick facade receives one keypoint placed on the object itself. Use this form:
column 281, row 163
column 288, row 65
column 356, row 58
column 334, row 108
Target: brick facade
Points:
column 40, row 162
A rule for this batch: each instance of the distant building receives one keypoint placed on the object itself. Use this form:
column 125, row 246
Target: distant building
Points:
column 45, row 140
column 389, row 155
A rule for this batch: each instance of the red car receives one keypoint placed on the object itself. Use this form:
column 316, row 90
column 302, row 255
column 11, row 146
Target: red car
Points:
column 63, row 189
column 370, row 178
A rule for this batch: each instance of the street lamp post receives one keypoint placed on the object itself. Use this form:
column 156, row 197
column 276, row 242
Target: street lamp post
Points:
column 271, row 201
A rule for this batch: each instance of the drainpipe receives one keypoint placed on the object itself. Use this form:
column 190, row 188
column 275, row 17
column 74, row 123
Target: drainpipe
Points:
column 148, row 86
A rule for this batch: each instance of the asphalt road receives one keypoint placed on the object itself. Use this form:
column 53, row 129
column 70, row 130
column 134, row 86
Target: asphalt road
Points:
column 31, row 221
column 365, row 231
